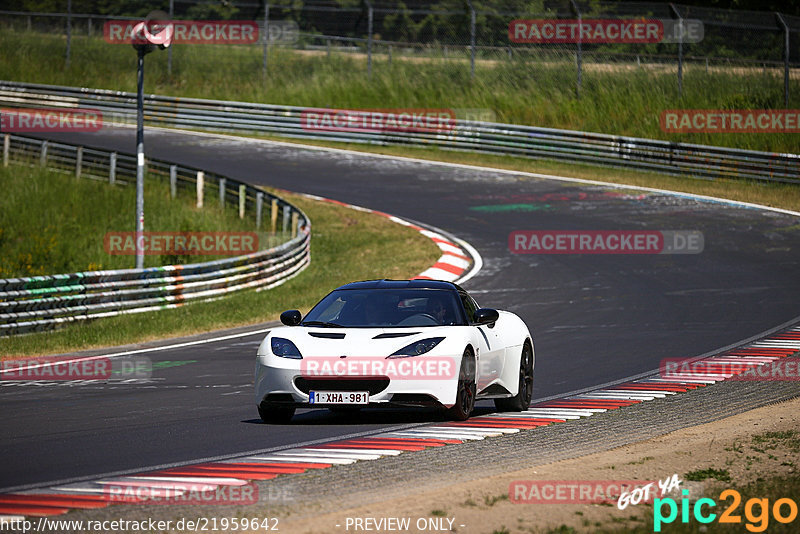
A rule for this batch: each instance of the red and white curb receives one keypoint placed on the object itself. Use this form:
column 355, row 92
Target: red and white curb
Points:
column 459, row 261
column 210, row 476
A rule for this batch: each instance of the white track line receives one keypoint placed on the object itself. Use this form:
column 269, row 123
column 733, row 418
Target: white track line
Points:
column 559, row 411
column 215, row 481
column 433, row 435
column 356, row 450
column 129, row 352
column 321, row 456
column 299, row 458
column 526, row 415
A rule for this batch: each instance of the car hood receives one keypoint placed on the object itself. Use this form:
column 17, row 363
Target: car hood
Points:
column 379, row 342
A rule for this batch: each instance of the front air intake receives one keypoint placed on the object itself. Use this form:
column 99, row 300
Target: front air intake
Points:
column 372, row 384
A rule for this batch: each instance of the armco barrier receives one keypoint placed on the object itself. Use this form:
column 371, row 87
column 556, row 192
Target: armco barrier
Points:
column 492, row 138
column 45, row 302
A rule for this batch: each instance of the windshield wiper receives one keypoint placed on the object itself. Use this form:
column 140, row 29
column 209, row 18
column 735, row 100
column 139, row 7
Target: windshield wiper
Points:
column 320, row 323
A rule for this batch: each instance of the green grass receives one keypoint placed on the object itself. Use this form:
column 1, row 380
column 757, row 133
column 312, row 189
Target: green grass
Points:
column 385, row 249
column 51, row 222
column 494, row 499
column 704, row 474
column 614, row 100
column 787, row 439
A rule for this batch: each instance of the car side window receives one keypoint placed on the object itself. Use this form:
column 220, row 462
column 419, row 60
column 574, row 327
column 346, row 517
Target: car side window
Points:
column 469, row 306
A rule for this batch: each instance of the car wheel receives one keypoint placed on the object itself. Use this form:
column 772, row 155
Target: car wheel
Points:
column 465, row 394
column 275, row 414
column 522, row 399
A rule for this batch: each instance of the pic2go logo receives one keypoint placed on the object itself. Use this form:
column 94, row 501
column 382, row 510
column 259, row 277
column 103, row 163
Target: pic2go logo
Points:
column 758, row 521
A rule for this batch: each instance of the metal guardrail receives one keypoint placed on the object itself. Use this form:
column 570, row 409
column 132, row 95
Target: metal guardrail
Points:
column 45, row 302
column 486, row 137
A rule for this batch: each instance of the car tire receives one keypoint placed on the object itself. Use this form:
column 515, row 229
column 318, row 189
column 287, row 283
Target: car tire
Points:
column 522, row 400
column 465, row 392
column 275, row 414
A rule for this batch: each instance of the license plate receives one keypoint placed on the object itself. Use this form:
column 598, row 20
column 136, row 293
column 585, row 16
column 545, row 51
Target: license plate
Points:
column 338, row 397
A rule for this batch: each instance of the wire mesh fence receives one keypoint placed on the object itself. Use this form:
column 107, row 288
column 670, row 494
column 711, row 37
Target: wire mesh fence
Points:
column 477, row 36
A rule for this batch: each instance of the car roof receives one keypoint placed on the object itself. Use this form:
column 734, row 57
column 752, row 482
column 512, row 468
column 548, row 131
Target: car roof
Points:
column 402, row 284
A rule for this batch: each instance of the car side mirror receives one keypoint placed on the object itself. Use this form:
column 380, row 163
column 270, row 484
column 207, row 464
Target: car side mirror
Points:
column 486, row 316
column 291, row 317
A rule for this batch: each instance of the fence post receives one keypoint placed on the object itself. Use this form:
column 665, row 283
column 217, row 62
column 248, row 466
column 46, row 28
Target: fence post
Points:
column 6, row 148
column 259, row 208
column 112, row 168
column 222, row 193
column 286, row 214
column 169, row 50
column 680, row 48
column 274, row 216
column 294, row 223
column 242, row 198
column 390, row 56
column 200, row 180
column 69, row 33
column 369, row 38
column 785, row 60
column 29, row 23
column 471, row 39
column 579, row 52
column 78, row 161
column 89, row 27
column 266, row 39
column 43, row 155
column 173, row 181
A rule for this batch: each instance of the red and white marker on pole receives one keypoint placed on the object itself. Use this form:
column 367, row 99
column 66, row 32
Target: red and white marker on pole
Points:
column 155, row 32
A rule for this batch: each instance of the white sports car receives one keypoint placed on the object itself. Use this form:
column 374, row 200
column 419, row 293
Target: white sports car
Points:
column 401, row 342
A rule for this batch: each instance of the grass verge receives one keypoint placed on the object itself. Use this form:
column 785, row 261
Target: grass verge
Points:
column 51, row 222
column 384, row 250
column 517, row 91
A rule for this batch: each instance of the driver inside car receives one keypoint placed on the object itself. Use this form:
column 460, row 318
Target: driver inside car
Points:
column 437, row 308
column 374, row 313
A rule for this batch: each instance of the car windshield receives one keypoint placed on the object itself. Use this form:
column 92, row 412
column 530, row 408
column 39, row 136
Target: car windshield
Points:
column 386, row 308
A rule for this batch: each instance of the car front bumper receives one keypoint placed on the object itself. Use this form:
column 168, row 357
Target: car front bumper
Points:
column 283, row 381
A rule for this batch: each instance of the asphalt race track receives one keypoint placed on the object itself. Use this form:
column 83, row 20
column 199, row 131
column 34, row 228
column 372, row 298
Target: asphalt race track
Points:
column 595, row 318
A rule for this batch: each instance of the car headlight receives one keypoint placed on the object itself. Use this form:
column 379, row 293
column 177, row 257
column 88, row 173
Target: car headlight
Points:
column 285, row 349
column 417, row 348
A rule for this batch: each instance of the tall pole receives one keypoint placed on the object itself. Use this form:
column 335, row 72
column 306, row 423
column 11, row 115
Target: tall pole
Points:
column 69, row 33
column 169, row 51
column 471, row 39
column 140, row 159
column 144, row 42
column 785, row 60
column 369, row 39
column 680, row 48
column 578, row 51
column 266, row 38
